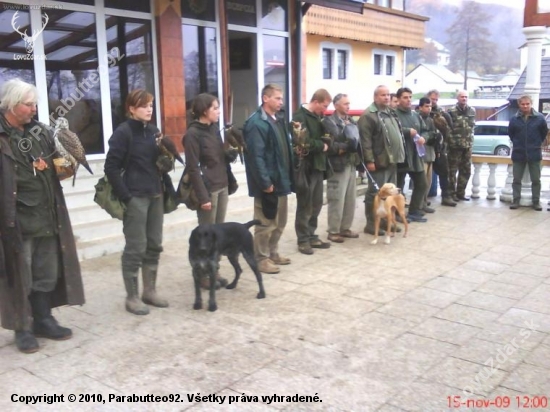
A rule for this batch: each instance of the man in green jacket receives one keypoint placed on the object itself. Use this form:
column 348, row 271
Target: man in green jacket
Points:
column 314, row 154
column 382, row 147
column 414, row 132
column 268, row 161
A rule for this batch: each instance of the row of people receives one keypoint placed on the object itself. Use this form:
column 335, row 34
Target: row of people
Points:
column 39, row 267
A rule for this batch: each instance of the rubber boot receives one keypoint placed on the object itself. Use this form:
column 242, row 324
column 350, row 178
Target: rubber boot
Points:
column 44, row 324
column 150, row 295
column 25, row 341
column 133, row 303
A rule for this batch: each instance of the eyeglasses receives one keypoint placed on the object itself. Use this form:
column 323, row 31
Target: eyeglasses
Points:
column 29, row 104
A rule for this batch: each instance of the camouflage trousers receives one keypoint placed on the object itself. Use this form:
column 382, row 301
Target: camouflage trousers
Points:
column 460, row 160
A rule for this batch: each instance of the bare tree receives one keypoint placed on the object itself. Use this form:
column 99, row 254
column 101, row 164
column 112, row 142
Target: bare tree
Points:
column 469, row 40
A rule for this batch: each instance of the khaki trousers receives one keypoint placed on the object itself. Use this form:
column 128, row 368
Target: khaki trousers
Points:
column 266, row 237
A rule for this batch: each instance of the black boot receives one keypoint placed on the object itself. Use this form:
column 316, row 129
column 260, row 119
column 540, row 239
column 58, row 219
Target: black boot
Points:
column 44, row 324
column 25, row 341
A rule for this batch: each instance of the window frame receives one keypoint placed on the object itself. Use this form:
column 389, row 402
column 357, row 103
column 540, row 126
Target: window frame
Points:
column 384, row 55
column 336, row 49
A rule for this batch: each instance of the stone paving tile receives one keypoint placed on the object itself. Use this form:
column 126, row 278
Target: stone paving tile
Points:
column 455, row 286
column 522, row 334
column 408, row 309
column 13, row 360
column 379, row 294
column 523, row 318
column 505, row 290
column 432, row 297
column 465, row 376
column 531, row 269
column 484, row 266
column 23, row 382
column 422, row 344
column 516, row 278
column 385, row 325
column 467, row 315
column 423, row 396
column 492, row 355
column 487, row 301
column 540, row 356
column 446, row 331
column 469, row 275
column 528, row 379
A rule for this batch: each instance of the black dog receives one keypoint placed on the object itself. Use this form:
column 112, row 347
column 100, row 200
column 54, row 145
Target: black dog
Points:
column 208, row 242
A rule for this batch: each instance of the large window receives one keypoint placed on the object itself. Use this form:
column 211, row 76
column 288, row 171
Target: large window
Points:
column 200, row 61
column 275, row 66
column 72, row 75
column 130, row 61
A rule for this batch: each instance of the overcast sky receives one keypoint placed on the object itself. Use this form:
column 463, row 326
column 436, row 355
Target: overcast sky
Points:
column 520, row 4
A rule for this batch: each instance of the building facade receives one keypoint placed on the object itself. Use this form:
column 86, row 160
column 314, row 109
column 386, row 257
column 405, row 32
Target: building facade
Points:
column 84, row 56
column 354, row 53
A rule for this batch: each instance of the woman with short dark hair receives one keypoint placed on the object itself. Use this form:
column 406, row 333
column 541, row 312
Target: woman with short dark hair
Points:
column 132, row 171
column 206, row 163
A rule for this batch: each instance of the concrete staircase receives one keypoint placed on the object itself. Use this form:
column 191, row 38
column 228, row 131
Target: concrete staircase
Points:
column 97, row 234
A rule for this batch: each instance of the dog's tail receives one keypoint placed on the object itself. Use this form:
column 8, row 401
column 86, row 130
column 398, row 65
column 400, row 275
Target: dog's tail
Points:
column 252, row 223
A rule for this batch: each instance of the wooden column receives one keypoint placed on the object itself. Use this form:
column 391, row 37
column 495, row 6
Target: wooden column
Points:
column 170, row 62
column 224, row 46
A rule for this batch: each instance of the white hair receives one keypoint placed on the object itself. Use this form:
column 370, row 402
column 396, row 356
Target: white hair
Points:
column 16, row 91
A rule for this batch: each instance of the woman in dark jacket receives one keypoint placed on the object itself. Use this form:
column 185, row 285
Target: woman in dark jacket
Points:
column 206, row 163
column 132, row 170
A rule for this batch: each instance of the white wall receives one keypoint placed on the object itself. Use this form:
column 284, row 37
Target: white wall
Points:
column 421, row 80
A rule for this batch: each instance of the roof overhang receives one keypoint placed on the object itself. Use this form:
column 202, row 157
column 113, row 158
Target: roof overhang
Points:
column 346, row 5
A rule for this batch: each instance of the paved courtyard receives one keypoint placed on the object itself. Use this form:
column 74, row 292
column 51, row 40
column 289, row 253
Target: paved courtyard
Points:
column 459, row 307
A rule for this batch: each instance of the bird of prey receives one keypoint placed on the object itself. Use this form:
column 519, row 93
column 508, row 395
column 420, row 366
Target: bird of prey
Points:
column 168, row 148
column 234, row 140
column 299, row 139
column 69, row 147
column 441, row 124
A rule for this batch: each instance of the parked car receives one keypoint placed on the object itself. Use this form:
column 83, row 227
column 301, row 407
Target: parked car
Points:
column 491, row 137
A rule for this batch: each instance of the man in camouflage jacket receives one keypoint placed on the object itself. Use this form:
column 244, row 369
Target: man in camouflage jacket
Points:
column 460, row 146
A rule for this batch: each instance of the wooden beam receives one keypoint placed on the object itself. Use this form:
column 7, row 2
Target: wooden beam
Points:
column 224, row 43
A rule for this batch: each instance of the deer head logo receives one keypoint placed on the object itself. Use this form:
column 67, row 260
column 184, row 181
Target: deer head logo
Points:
column 29, row 40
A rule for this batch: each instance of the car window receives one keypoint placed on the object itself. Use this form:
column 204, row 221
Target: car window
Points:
column 503, row 130
column 485, row 130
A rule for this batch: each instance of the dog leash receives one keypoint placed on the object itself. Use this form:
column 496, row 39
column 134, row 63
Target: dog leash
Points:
column 365, row 168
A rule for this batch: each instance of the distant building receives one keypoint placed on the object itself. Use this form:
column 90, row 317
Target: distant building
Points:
column 443, row 54
column 430, row 76
column 544, row 98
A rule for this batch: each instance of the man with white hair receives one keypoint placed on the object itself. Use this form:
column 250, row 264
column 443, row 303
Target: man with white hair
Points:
column 39, row 266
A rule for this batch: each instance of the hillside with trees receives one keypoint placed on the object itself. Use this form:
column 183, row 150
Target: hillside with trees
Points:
column 495, row 33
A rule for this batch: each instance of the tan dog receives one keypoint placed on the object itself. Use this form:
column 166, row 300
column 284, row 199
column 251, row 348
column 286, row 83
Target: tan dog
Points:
column 386, row 203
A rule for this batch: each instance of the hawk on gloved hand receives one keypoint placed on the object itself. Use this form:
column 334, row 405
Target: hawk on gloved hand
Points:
column 68, row 145
column 234, row 141
column 167, row 147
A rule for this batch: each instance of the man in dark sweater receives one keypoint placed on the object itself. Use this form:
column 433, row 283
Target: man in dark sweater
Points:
column 314, row 153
